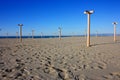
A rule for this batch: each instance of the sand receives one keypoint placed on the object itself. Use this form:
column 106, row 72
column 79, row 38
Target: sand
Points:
column 54, row 59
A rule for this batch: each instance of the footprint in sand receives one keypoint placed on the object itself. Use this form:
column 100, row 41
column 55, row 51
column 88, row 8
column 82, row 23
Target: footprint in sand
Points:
column 98, row 65
column 112, row 76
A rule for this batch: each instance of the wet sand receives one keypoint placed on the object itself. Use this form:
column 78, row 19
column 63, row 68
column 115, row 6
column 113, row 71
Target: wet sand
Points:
column 54, row 59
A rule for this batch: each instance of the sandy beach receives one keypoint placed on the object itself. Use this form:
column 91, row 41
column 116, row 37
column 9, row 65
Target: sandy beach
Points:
column 65, row 59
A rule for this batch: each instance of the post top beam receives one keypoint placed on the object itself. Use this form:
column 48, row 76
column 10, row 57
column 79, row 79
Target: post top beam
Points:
column 114, row 23
column 88, row 12
column 20, row 24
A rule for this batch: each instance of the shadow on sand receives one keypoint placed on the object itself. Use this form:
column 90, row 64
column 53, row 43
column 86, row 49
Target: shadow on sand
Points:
column 106, row 43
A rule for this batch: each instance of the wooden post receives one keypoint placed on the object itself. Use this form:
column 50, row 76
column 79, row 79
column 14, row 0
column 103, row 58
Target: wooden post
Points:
column 115, row 33
column 7, row 35
column 114, row 23
column 20, row 31
column 96, row 33
column 17, row 36
column 41, row 34
column 59, row 33
column 32, row 34
column 88, row 29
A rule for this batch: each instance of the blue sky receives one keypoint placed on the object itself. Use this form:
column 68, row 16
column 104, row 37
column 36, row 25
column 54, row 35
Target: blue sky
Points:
column 47, row 15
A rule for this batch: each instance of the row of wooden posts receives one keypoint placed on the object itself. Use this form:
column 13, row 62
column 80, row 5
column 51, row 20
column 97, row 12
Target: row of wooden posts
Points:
column 88, row 29
column 20, row 25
